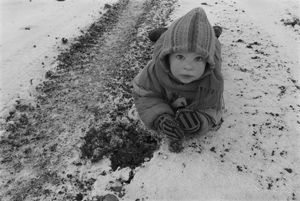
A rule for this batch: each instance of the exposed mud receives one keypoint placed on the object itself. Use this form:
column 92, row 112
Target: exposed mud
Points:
column 126, row 143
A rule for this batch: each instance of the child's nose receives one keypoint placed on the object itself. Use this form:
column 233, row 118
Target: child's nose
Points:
column 188, row 66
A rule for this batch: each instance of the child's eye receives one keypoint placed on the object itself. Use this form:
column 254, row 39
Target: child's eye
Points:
column 198, row 59
column 180, row 57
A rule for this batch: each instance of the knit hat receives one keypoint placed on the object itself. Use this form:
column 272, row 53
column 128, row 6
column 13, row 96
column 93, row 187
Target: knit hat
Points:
column 190, row 33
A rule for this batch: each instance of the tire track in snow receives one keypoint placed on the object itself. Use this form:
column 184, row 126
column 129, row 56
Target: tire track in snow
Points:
column 44, row 162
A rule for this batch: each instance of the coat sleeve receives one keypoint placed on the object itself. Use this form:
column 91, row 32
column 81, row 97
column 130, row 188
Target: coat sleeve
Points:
column 148, row 97
column 212, row 116
column 215, row 114
column 206, row 123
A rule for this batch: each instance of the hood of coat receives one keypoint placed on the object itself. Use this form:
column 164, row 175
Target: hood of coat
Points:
column 190, row 33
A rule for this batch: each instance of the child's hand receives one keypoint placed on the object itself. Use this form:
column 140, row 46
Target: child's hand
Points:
column 170, row 127
column 189, row 120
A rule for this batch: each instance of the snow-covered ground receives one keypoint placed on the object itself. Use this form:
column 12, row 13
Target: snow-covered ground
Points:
column 235, row 163
column 31, row 38
column 256, row 153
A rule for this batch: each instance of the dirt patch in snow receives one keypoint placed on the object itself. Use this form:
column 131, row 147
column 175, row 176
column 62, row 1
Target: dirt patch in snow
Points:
column 292, row 21
column 127, row 144
column 83, row 111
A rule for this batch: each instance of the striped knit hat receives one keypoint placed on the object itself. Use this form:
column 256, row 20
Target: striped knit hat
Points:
column 190, row 33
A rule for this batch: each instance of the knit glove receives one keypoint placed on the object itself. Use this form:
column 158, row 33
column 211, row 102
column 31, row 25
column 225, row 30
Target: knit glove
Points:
column 170, row 127
column 189, row 120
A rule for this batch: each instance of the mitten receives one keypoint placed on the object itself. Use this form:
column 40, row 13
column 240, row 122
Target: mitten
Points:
column 170, row 127
column 189, row 120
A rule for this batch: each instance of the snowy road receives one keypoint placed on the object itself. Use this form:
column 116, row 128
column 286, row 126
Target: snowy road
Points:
column 254, row 156
column 31, row 38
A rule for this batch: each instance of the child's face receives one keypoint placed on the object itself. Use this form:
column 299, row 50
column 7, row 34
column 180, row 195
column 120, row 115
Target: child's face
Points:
column 187, row 66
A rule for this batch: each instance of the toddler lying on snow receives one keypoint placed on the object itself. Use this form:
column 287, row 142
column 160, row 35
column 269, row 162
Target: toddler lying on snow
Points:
column 179, row 92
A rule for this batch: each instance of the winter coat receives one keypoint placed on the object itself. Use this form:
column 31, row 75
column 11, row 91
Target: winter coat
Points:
column 156, row 91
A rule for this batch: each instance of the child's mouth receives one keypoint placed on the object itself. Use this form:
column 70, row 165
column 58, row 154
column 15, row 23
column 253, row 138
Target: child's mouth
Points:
column 186, row 76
